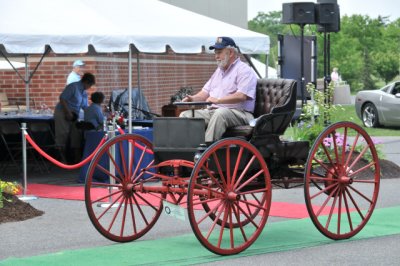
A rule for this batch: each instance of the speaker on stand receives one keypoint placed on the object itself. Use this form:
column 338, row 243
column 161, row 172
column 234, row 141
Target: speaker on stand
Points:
column 300, row 13
column 328, row 19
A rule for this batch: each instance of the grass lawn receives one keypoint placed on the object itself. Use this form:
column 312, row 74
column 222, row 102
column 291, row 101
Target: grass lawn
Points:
column 348, row 113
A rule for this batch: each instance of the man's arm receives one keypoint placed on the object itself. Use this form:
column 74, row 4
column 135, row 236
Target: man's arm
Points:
column 198, row 97
column 237, row 97
column 67, row 112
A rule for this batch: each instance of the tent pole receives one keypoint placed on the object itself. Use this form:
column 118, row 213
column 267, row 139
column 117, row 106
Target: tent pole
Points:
column 27, row 80
column 247, row 57
column 138, row 69
column 130, row 89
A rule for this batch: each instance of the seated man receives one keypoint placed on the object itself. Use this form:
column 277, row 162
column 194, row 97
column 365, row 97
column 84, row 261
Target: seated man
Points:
column 94, row 113
column 231, row 90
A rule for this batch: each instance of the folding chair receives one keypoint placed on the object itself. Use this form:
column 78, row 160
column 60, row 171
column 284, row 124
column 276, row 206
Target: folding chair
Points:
column 10, row 135
column 43, row 135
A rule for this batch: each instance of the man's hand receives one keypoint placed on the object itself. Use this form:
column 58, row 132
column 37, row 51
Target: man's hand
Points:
column 69, row 116
column 213, row 100
column 188, row 98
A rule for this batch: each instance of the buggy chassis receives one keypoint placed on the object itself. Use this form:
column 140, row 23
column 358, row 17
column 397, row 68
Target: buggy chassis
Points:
column 227, row 186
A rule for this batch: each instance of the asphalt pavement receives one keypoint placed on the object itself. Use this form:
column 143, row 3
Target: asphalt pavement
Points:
column 66, row 226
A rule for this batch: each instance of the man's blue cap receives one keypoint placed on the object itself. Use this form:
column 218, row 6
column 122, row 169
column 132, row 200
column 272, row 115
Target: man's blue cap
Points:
column 223, row 42
column 78, row 63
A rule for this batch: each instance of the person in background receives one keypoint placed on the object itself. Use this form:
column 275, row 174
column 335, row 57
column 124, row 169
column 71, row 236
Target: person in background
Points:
column 94, row 113
column 231, row 90
column 72, row 100
column 335, row 77
column 77, row 71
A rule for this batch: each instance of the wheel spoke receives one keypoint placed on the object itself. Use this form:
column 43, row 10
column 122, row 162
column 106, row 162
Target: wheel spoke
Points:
column 116, row 167
column 354, row 204
column 332, row 208
column 347, row 211
column 115, row 216
column 123, row 161
column 344, row 145
column 110, row 195
column 238, row 160
column 327, row 153
column 221, row 174
column 124, row 216
column 351, row 150
column 229, row 179
column 108, row 173
column 335, row 148
column 358, row 157
column 353, row 173
column 360, row 194
column 324, row 190
column 250, row 179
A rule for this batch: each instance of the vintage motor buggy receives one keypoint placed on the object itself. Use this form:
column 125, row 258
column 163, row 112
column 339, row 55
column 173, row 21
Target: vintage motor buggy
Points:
column 227, row 186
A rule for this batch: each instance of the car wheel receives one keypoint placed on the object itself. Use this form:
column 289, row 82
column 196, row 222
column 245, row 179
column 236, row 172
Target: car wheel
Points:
column 370, row 116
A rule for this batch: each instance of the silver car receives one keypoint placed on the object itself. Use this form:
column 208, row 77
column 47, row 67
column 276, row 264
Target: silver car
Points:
column 379, row 107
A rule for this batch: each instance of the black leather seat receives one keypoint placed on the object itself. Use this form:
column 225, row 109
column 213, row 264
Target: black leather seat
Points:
column 274, row 108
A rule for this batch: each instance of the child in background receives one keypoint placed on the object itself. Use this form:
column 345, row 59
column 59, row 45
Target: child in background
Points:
column 94, row 113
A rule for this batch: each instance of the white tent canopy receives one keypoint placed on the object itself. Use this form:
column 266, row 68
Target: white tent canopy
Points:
column 272, row 73
column 4, row 65
column 70, row 26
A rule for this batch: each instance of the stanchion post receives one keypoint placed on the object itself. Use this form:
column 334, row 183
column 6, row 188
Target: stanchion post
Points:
column 112, row 167
column 24, row 196
column 111, row 134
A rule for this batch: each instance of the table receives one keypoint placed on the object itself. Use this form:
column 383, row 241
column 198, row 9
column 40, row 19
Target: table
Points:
column 341, row 94
column 26, row 117
column 93, row 138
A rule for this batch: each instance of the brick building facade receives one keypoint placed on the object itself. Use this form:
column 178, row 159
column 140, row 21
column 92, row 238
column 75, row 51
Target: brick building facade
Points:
column 161, row 75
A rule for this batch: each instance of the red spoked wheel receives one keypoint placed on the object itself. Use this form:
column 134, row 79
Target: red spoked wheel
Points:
column 118, row 204
column 342, row 180
column 229, row 196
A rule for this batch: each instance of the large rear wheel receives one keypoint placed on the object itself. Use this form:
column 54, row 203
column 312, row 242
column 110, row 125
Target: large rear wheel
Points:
column 342, row 180
column 229, row 196
column 119, row 207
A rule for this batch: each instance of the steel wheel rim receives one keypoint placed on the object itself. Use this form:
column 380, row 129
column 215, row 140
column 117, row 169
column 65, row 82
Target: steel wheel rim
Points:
column 127, row 213
column 341, row 192
column 369, row 116
column 229, row 204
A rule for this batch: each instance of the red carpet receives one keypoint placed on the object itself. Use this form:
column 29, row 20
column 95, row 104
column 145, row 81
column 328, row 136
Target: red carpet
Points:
column 279, row 209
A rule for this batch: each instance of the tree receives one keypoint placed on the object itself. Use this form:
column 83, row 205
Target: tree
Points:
column 366, row 50
column 270, row 24
column 387, row 58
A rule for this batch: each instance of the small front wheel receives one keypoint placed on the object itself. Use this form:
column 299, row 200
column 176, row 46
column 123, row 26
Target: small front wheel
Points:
column 119, row 207
column 229, row 196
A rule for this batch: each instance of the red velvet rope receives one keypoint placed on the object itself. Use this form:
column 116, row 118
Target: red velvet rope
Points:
column 60, row 164
column 121, row 131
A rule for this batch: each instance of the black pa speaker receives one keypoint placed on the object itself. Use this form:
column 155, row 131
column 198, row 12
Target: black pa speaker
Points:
column 298, row 13
column 327, row 17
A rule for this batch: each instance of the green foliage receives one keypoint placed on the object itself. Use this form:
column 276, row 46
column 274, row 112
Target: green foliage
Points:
column 366, row 50
column 315, row 115
column 11, row 188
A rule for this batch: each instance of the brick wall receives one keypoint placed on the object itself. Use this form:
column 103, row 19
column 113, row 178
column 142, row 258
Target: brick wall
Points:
column 160, row 76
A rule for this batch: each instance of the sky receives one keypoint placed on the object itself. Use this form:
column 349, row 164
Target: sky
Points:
column 372, row 8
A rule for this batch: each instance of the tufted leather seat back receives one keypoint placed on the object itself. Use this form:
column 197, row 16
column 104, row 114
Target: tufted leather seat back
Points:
column 271, row 93
column 274, row 108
